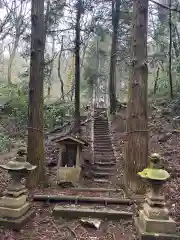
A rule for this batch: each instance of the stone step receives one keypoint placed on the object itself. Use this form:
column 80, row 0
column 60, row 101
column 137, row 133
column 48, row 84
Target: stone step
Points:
column 101, row 149
column 101, row 118
column 101, row 158
column 103, row 145
column 103, row 129
column 100, row 130
column 98, row 168
column 104, row 160
column 98, row 174
column 101, row 189
column 104, row 142
column 104, row 155
column 71, row 211
column 101, row 180
column 101, row 162
column 105, row 164
column 101, row 125
column 99, row 135
column 102, row 139
column 101, row 122
column 104, row 134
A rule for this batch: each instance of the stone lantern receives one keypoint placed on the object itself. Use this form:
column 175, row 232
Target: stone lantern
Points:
column 14, row 208
column 154, row 221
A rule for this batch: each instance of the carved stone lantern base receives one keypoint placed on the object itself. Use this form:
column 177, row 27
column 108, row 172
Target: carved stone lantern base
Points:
column 14, row 211
column 16, row 223
column 153, row 229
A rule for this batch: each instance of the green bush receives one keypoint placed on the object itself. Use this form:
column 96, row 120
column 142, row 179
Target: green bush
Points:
column 19, row 106
column 14, row 101
column 57, row 114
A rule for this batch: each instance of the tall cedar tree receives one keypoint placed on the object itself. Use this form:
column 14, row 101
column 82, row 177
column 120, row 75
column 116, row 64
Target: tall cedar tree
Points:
column 170, row 50
column 112, row 81
column 77, row 66
column 35, row 126
column 137, row 122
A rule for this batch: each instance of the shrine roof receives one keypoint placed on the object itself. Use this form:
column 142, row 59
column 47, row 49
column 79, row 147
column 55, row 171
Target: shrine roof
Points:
column 76, row 139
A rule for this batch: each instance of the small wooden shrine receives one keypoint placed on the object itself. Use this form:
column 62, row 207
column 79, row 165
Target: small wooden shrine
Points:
column 70, row 158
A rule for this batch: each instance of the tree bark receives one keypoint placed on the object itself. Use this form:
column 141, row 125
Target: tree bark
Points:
column 77, row 67
column 156, row 80
column 59, row 70
column 112, row 81
column 35, row 125
column 50, row 75
column 170, row 52
column 136, row 155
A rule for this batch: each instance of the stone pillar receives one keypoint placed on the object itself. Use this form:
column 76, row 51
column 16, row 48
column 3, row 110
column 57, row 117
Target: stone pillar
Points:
column 154, row 222
column 15, row 210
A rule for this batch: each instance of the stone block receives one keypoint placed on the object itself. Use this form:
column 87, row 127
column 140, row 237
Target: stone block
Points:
column 104, row 213
column 157, row 225
column 16, row 187
column 11, row 202
column 156, row 213
column 17, row 223
column 154, row 203
column 14, row 213
column 142, row 235
column 159, row 198
column 68, row 174
column 16, row 193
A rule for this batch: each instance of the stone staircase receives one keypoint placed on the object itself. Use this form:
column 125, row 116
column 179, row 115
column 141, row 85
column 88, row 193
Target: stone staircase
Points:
column 104, row 165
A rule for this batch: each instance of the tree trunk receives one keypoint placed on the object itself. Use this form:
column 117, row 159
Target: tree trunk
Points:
column 72, row 91
column 12, row 55
column 156, row 80
column 112, row 80
column 35, row 126
column 50, row 75
column 19, row 29
column 136, row 155
column 77, row 67
column 170, row 51
column 59, row 70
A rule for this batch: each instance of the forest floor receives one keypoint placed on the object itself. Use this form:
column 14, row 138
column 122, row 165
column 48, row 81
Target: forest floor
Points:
column 164, row 139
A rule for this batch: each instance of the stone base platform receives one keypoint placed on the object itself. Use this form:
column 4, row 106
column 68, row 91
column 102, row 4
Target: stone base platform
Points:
column 142, row 235
column 76, row 212
column 17, row 223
